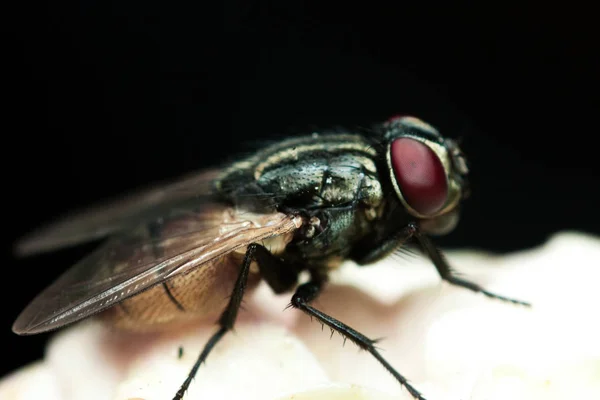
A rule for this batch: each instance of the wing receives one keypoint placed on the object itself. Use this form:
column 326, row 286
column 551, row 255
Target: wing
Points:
column 151, row 254
column 100, row 221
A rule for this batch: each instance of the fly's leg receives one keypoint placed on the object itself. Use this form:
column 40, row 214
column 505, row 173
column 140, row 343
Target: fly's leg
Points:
column 309, row 291
column 279, row 275
column 385, row 247
column 445, row 271
column 374, row 250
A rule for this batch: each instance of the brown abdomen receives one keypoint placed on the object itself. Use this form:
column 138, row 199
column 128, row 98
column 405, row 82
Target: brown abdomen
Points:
column 200, row 294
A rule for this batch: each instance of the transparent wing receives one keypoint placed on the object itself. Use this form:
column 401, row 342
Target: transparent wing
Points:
column 102, row 220
column 130, row 263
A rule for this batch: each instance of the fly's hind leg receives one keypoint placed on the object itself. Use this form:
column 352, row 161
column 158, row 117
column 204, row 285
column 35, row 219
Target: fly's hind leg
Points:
column 278, row 275
column 309, row 291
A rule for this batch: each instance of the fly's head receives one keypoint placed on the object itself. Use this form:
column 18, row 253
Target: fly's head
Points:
column 428, row 172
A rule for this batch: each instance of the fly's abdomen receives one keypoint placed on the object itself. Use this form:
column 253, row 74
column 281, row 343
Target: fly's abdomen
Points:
column 200, row 294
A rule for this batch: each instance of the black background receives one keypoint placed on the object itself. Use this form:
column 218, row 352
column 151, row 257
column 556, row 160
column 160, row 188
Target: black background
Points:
column 103, row 97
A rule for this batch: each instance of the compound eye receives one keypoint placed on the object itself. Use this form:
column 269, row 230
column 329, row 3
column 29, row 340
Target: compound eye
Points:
column 420, row 175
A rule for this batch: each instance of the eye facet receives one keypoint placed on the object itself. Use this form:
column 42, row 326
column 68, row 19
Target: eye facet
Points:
column 419, row 174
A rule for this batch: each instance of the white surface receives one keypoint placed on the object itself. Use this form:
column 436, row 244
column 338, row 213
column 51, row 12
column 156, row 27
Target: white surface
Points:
column 451, row 343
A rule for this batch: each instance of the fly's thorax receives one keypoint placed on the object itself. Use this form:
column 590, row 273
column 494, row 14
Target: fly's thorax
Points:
column 328, row 235
column 297, row 170
column 332, row 179
column 291, row 150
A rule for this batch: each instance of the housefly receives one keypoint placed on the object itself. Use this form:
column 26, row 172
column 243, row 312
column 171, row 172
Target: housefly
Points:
column 308, row 203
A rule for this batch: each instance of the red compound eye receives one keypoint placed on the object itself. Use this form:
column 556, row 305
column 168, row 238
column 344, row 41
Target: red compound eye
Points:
column 419, row 174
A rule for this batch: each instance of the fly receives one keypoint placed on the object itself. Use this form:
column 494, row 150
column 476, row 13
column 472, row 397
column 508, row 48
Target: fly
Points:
column 304, row 204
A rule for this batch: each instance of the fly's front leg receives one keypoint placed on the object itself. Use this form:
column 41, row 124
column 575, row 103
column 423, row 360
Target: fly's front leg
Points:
column 278, row 275
column 371, row 250
column 309, row 291
column 447, row 274
column 364, row 256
